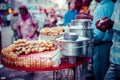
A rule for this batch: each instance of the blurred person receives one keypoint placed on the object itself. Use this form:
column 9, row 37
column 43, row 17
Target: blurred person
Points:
column 14, row 23
column 70, row 13
column 92, row 7
column 52, row 11
column 102, row 40
column 59, row 20
column 85, row 7
column 4, row 19
column 27, row 27
column 1, row 21
column 9, row 16
column 78, row 5
column 41, row 19
column 107, row 24
column 84, row 12
column 53, row 20
column 47, row 19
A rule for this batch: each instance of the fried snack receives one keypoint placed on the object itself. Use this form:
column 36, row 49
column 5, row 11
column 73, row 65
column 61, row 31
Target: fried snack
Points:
column 13, row 54
column 54, row 31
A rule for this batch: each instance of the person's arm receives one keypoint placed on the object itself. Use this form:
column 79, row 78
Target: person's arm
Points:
column 35, row 30
column 35, row 25
column 101, row 12
column 114, row 25
column 103, row 25
column 19, row 32
column 12, row 22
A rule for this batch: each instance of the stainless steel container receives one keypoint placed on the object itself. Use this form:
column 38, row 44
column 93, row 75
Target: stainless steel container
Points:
column 82, row 32
column 85, row 32
column 73, row 48
column 70, row 36
column 81, row 22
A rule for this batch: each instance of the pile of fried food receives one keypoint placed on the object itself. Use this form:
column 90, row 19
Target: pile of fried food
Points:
column 12, row 54
column 54, row 31
column 25, row 47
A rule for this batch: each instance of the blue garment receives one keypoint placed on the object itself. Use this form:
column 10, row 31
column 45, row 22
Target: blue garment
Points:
column 101, row 60
column 102, row 48
column 69, row 16
column 113, row 72
column 104, row 9
column 115, row 50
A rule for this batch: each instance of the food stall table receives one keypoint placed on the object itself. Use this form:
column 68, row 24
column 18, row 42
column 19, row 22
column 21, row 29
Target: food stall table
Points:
column 61, row 72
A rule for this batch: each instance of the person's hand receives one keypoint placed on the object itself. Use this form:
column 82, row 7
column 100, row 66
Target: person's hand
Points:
column 30, row 36
column 104, row 24
column 101, row 26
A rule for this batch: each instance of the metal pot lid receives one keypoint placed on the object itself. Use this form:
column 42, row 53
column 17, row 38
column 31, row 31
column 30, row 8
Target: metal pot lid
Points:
column 76, row 27
column 83, row 20
column 80, row 39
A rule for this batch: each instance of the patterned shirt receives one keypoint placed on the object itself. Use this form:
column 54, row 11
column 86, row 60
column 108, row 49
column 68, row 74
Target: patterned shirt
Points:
column 115, row 50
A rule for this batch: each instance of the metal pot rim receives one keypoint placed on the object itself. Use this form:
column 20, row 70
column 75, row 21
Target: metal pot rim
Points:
column 80, row 39
column 80, row 28
column 82, row 20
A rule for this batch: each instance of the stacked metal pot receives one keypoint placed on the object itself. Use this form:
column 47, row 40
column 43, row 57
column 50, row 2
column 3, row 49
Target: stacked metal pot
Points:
column 76, row 38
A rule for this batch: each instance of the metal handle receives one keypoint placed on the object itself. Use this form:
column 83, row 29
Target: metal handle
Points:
column 85, row 27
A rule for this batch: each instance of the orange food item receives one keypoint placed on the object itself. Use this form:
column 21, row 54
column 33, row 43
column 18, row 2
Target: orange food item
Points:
column 29, row 54
column 54, row 31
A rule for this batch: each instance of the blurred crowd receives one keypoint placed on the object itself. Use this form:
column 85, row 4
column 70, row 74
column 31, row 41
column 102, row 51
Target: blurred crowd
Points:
column 50, row 17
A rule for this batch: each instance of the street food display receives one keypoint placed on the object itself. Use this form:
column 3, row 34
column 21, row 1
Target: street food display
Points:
column 47, row 55
column 54, row 31
column 41, row 55
column 55, row 51
column 48, row 33
column 31, row 54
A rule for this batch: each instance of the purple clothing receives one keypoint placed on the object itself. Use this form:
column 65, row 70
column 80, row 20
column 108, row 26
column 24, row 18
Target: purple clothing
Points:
column 26, row 24
column 27, row 28
column 27, row 13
